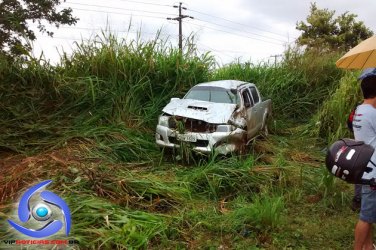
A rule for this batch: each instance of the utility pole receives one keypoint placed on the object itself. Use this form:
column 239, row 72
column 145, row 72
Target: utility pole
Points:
column 275, row 59
column 180, row 20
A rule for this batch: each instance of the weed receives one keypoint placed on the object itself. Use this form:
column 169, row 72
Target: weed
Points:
column 330, row 121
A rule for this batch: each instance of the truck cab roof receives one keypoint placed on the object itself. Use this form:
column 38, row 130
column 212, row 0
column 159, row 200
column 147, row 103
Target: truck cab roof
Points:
column 226, row 84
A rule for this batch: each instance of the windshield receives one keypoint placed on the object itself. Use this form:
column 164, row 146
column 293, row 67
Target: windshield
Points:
column 211, row 94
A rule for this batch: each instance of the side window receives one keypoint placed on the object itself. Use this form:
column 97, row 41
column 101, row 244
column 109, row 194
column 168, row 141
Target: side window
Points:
column 247, row 98
column 255, row 95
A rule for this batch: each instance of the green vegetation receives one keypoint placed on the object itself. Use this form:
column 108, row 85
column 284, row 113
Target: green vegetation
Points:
column 88, row 124
column 324, row 32
column 330, row 121
column 15, row 23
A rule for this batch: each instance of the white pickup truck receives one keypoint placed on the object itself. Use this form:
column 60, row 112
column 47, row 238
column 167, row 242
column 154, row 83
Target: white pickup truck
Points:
column 220, row 115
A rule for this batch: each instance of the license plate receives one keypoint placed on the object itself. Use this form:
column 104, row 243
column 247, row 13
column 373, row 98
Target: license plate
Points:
column 187, row 137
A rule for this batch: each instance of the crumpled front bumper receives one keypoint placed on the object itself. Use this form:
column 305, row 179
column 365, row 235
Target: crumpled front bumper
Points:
column 220, row 142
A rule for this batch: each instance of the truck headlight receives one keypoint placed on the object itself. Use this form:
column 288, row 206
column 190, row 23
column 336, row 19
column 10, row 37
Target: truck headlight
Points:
column 225, row 128
column 163, row 120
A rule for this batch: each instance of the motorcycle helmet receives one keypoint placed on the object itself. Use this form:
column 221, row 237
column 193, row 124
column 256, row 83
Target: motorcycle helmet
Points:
column 348, row 159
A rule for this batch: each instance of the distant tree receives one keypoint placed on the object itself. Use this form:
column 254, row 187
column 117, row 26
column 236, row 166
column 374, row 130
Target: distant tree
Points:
column 16, row 16
column 323, row 31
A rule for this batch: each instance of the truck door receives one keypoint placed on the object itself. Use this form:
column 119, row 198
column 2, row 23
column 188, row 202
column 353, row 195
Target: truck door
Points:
column 250, row 113
column 258, row 109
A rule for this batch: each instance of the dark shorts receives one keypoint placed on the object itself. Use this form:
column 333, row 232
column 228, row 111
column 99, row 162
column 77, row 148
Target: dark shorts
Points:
column 368, row 208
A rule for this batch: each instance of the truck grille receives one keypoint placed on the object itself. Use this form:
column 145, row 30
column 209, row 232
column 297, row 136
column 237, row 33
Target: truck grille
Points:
column 191, row 125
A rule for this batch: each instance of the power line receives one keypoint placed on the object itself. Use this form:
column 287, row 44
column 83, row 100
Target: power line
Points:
column 79, row 39
column 147, row 3
column 117, row 8
column 224, row 31
column 109, row 30
column 150, row 33
column 222, row 50
column 231, row 33
column 236, row 34
column 164, row 13
column 202, row 13
column 103, row 29
column 117, row 13
column 177, row 18
column 247, row 32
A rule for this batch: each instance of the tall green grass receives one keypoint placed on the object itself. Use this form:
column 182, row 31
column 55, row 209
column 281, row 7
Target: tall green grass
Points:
column 108, row 90
column 264, row 212
column 108, row 87
column 132, row 81
column 330, row 122
column 230, row 176
column 101, row 224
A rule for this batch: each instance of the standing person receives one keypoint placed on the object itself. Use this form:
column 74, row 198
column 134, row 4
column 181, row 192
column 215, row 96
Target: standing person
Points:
column 364, row 125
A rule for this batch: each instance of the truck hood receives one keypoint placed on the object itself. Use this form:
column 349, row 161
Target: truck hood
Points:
column 210, row 112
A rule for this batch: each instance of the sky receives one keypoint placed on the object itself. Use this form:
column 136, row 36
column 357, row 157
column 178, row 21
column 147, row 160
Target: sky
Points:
column 245, row 30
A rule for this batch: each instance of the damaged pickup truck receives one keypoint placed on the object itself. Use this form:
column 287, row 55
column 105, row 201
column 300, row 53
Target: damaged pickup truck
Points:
column 221, row 116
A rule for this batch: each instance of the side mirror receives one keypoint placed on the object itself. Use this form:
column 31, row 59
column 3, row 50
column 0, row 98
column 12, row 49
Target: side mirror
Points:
column 174, row 99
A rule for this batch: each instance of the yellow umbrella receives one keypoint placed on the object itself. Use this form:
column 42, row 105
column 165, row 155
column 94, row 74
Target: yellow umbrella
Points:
column 361, row 56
